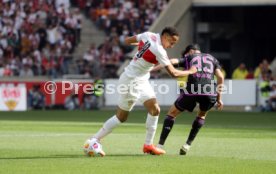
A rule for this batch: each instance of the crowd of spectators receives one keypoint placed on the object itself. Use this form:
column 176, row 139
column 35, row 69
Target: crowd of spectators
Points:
column 263, row 71
column 265, row 74
column 119, row 19
column 37, row 37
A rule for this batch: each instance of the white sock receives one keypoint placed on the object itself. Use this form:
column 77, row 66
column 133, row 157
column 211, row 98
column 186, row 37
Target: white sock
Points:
column 151, row 126
column 160, row 146
column 107, row 128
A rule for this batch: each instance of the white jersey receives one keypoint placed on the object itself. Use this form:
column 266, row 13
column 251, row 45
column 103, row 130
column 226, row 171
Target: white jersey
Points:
column 150, row 52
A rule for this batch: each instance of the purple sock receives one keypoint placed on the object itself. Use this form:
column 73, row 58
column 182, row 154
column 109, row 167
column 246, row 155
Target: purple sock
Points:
column 197, row 124
column 167, row 127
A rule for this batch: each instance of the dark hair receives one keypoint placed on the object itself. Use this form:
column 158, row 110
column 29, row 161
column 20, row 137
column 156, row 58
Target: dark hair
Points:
column 191, row 47
column 170, row 31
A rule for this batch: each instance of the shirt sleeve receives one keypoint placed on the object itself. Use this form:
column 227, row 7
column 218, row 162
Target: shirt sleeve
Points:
column 140, row 36
column 162, row 57
column 216, row 64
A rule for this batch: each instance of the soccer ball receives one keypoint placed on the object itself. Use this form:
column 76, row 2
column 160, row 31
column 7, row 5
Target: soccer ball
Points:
column 93, row 148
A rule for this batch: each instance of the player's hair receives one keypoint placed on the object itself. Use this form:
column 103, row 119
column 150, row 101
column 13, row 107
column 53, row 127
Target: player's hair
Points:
column 170, row 31
column 191, row 47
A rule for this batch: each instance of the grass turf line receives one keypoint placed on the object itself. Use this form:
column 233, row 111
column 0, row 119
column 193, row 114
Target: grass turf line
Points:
column 50, row 142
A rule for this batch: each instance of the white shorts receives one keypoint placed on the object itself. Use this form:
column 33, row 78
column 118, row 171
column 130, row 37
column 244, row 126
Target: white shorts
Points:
column 131, row 90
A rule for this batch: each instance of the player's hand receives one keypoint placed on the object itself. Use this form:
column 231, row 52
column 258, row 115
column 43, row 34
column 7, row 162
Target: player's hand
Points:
column 135, row 44
column 219, row 105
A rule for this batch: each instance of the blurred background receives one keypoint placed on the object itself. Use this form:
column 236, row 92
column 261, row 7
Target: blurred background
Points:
column 82, row 41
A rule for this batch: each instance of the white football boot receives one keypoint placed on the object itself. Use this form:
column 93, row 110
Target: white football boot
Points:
column 184, row 149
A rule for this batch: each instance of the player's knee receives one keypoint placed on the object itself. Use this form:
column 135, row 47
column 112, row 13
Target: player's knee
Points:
column 122, row 117
column 152, row 107
column 202, row 114
column 155, row 111
column 173, row 112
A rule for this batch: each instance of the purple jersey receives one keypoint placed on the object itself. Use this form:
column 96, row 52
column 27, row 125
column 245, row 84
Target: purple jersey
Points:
column 202, row 82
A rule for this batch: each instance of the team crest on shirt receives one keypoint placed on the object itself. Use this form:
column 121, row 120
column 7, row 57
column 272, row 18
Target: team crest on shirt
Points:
column 153, row 37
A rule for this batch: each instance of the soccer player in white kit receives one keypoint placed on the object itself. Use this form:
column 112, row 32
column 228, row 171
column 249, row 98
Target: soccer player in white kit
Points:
column 151, row 51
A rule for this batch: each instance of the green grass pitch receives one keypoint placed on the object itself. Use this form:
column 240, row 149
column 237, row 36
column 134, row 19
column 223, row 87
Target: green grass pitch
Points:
column 50, row 142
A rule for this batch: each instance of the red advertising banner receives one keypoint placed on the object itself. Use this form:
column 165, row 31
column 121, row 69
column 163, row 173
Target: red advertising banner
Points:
column 56, row 93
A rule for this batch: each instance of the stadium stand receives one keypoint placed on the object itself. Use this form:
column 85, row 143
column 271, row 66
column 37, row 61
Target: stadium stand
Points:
column 118, row 19
column 37, row 37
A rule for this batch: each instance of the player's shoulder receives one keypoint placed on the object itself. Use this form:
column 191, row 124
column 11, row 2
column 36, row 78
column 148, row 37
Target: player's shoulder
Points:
column 208, row 55
column 205, row 55
column 191, row 56
column 149, row 34
column 212, row 57
column 200, row 55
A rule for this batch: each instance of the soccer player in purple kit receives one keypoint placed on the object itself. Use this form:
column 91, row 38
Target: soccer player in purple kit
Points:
column 199, row 89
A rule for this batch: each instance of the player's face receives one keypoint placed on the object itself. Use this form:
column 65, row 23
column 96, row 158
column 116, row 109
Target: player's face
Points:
column 169, row 41
column 191, row 52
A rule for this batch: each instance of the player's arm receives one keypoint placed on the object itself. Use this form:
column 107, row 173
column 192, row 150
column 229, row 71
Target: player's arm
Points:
column 178, row 73
column 132, row 40
column 220, row 82
column 173, row 61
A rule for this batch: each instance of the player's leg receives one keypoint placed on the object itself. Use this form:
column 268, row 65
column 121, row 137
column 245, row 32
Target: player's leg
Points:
column 168, row 125
column 111, row 123
column 152, row 119
column 197, row 124
column 205, row 104
column 151, row 125
column 183, row 102
column 148, row 98
column 125, row 104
